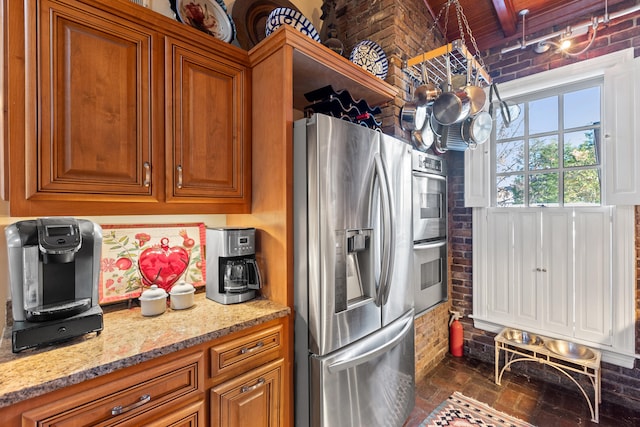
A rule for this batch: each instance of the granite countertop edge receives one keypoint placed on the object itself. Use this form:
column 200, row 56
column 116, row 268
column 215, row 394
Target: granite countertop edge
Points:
column 100, row 369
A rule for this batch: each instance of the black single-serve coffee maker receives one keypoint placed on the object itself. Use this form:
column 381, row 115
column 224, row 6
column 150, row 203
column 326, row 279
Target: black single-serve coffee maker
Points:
column 54, row 267
column 233, row 275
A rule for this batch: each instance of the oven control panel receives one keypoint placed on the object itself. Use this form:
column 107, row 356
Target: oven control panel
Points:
column 423, row 162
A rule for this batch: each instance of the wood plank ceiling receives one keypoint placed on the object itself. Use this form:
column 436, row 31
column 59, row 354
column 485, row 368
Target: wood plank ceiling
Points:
column 497, row 23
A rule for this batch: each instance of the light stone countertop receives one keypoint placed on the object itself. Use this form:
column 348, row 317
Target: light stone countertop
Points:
column 128, row 338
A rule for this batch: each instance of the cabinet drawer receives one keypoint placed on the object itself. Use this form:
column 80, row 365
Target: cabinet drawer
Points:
column 246, row 352
column 125, row 399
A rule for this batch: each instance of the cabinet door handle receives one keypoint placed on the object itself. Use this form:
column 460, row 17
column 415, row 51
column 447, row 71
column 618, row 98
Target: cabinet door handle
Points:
column 147, row 174
column 246, row 350
column 247, row 388
column 117, row 410
column 179, row 168
column 544, row 270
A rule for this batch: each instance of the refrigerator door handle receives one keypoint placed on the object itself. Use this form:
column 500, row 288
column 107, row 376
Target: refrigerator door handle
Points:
column 388, row 242
column 364, row 351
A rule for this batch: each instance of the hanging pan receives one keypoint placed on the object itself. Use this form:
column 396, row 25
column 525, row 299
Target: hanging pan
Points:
column 452, row 106
column 427, row 92
column 476, row 94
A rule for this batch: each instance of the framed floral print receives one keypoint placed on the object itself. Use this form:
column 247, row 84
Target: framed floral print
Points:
column 135, row 257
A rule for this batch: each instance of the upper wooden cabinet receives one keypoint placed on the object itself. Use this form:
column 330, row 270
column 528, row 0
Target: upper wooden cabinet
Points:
column 115, row 109
column 95, row 100
column 206, row 117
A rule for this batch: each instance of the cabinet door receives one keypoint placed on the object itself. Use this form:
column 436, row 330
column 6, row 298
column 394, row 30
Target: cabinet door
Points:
column 498, row 268
column 556, row 275
column 94, row 105
column 207, row 126
column 253, row 399
column 593, row 271
column 526, row 268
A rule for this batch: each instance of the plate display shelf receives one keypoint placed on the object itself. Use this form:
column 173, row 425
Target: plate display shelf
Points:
column 315, row 66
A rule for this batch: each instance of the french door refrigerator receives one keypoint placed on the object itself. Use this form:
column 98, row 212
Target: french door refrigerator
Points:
column 354, row 332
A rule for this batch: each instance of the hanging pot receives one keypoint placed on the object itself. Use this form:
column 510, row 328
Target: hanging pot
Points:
column 455, row 140
column 476, row 94
column 412, row 116
column 422, row 139
column 434, row 125
column 477, row 129
column 468, row 134
column 440, row 142
column 427, row 92
column 452, row 107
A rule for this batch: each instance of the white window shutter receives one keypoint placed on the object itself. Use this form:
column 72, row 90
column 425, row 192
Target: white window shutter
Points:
column 477, row 175
column 621, row 134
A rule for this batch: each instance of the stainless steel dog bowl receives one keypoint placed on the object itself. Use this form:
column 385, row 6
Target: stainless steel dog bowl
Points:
column 570, row 350
column 522, row 337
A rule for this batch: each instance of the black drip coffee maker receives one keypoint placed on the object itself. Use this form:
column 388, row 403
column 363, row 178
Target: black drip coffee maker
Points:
column 54, row 266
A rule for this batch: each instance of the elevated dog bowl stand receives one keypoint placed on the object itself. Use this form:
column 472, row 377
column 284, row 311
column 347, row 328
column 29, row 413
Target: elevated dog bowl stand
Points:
column 520, row 352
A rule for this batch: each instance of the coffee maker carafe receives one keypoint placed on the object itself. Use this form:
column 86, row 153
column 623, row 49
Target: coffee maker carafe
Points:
column 54, row 266
column 232, row 273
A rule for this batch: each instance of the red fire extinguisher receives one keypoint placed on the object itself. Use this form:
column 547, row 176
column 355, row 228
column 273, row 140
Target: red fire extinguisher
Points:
column 455, row 334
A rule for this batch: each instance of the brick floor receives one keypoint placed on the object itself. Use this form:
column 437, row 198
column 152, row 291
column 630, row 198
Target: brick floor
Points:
column 540, row 403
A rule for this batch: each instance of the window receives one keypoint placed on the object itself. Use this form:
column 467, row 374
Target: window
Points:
column 553, row 217
column 550, row 154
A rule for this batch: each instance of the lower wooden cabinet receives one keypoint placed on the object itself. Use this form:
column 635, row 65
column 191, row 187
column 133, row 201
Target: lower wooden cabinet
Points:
column 241, row 379
column 253, row 399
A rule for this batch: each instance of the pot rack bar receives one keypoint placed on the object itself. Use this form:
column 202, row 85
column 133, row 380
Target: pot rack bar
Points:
column 436, row 65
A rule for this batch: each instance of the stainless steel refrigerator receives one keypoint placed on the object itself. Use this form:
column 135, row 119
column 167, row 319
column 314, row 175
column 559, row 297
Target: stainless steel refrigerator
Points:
column 354, row 332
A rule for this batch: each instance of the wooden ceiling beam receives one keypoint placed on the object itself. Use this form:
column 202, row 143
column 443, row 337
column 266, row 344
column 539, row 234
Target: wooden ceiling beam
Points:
column 506, row 16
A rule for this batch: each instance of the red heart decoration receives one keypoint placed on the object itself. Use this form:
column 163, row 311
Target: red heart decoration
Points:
column 162, row 265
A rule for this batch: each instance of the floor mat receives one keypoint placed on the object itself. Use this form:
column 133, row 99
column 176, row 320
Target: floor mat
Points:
column 462, row 411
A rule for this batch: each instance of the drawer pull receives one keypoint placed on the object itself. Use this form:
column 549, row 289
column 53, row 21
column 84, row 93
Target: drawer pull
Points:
column 117, row 410
column 246, row 350
column 247, row 388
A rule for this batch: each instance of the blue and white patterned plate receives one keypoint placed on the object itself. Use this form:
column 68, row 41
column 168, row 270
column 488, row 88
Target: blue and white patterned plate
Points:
column 283, row 15
column 371, row 57
column 209, row 16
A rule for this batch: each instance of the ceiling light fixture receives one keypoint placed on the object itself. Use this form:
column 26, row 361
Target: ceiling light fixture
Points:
column 565, row 42
column 541, row 44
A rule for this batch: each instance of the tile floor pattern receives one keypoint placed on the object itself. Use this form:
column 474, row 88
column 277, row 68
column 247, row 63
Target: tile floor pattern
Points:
column 540, row 403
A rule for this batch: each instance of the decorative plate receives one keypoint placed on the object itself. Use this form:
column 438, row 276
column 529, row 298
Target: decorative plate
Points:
column 130, row 252
column 371, row 57
column 208, row 16
column 250, row 17
column 283, row 15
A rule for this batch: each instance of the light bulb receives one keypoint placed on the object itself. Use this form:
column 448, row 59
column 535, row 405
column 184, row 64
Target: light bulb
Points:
column 566, row 44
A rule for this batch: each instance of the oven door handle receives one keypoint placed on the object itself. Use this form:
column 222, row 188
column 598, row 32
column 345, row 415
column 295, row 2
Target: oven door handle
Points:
column 429, row 245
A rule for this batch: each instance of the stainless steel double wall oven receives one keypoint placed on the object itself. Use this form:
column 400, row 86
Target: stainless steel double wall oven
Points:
column 429, row 189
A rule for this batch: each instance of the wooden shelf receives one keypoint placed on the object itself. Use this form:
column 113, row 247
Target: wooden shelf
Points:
column 315, row 66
